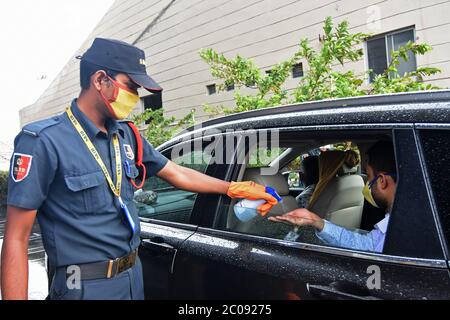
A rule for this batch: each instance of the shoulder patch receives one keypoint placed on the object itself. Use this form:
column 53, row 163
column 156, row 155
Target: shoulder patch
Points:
column 21, row 164
column 35, row 128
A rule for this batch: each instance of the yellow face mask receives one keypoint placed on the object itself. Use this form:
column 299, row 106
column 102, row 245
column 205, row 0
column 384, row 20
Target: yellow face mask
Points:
column 368, row 195
column 122, row 102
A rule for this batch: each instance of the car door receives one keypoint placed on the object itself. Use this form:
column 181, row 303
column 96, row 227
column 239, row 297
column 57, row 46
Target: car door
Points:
column 216, row 263
column 167, row 221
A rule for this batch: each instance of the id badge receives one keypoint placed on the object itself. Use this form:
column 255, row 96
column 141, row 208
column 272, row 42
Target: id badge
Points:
column 127, row 213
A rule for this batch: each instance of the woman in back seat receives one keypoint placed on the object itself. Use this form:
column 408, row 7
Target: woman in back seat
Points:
column 310, row 167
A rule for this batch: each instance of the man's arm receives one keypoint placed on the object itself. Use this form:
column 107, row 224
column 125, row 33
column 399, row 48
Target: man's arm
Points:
column 333, row 234
column 14, row 260
column 350, row 239
column 191, row 180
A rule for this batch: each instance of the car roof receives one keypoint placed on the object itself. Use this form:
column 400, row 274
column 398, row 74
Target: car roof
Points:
column 410, row 107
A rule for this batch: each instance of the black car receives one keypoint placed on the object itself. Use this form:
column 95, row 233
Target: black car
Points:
column 194, row 247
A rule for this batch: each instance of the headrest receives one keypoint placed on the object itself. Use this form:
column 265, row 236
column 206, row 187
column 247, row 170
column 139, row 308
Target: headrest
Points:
column 345, row 170
column 276, row 181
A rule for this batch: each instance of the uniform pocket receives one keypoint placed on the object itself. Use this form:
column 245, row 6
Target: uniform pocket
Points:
column 88, row 192
column 131, row 173
column 117, row 288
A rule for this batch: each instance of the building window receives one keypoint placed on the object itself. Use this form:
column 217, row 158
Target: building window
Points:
column 211, row 89
column 268, row 72
column 153, row 101
column 297, row 70
column 379, row 51
column 230, row 87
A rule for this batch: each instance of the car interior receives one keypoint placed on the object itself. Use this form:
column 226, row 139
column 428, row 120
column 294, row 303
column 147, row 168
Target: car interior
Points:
column 340, row 202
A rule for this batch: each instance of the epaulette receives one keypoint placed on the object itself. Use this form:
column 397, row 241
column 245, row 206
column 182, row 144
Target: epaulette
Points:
column 35, row 128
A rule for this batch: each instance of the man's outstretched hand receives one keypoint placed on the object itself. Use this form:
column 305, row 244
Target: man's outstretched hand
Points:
column 252, row 191
column 300, row 217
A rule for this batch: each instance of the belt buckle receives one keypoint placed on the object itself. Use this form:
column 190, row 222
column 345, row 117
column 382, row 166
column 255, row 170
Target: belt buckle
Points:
column 121, row 264
column 111, row 264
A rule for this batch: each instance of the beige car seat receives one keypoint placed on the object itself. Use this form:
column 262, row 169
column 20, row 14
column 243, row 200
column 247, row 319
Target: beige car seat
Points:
column 342, row 201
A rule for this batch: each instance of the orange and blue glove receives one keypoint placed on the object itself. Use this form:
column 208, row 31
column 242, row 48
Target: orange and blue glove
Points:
column 252, row 191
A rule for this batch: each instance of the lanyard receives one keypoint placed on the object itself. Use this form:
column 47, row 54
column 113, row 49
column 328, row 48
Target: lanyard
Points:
column 114, row 188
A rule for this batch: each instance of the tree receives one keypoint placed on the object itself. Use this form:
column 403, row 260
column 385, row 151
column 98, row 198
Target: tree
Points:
column 321, row 80
column 242, row 72
column 160, row 128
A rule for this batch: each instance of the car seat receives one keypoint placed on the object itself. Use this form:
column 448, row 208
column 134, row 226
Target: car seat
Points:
column 342, row 201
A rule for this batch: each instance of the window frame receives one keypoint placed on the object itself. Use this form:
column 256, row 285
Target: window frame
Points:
column 385, row 36
column 157, row 95
column 432, row 126
column 229, row 88
column 300, row 73
column 211, row 89
column 335, row 251
column 191, row 225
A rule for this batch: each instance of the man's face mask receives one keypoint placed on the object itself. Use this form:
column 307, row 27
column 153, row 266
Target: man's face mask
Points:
column 367, row 190
column 122, row 101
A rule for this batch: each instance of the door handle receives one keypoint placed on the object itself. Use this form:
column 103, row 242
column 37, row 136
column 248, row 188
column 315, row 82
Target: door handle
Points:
column 158, row 247
column 340, row 290
column 157, row 244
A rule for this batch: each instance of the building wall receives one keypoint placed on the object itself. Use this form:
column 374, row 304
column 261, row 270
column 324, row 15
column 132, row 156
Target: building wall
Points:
column 268, row 31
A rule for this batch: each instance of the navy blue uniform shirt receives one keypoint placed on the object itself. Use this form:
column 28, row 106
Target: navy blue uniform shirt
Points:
column 53, row 171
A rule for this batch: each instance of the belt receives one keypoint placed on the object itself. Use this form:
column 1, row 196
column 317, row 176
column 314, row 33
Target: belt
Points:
column 105, row 269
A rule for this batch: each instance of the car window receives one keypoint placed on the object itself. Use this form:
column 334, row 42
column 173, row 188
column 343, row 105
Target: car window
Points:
column 262, row 156
column 436, row 146
column 162, row 201
column 341, row 203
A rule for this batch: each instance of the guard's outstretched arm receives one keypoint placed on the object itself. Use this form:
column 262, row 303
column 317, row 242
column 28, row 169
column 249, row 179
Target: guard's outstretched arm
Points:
column 191, row 180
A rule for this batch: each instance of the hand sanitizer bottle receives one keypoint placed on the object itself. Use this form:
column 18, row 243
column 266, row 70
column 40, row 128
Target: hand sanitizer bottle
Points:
column 246, row 209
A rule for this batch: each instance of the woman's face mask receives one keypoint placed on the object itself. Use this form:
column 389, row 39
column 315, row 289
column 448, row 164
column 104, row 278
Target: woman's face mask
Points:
column 122, row 101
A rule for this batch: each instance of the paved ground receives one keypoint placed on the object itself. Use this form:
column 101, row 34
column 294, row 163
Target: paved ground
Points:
column 37, row 287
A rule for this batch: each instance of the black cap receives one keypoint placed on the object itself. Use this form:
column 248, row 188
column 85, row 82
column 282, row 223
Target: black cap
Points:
column 121, row 57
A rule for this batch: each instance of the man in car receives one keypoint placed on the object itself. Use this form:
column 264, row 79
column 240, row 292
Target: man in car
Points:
column 379, row 191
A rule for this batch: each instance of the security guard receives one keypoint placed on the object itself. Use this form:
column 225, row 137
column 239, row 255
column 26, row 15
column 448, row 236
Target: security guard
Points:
column 77, row 171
